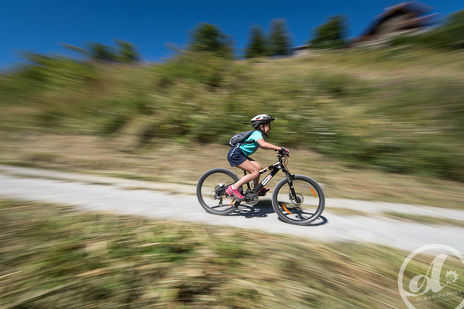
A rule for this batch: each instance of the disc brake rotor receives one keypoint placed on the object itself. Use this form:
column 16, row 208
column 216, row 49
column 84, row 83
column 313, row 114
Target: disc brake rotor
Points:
column 298, row 200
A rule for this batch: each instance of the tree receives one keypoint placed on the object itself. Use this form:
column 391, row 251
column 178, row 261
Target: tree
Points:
column 124, row 52
column 208, row 37
column 279, row 40
column 449, row 35
column 257, row 45
column 101, row 52
column 127, row 52
column 331, row 35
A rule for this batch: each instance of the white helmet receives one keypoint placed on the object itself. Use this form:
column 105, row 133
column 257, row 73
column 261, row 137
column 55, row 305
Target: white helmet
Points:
column 258, row 120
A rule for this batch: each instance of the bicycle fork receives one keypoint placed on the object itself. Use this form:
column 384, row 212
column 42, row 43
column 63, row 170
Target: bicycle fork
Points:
column 292, row 196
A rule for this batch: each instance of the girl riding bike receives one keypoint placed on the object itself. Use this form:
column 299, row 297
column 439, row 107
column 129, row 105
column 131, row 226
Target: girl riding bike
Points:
column 239, row 154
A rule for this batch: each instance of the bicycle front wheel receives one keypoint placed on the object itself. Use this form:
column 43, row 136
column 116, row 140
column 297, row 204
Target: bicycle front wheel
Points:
column 211, row 191
column 302, row 208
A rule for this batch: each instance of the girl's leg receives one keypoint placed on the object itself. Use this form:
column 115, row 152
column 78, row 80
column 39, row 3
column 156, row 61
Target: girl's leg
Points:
column 259, row 167
column 252, row 167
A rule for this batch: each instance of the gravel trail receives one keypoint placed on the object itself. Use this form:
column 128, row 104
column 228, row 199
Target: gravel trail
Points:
column 178, row 202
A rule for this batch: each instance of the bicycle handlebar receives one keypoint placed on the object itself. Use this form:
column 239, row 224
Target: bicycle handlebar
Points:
column 284, row 151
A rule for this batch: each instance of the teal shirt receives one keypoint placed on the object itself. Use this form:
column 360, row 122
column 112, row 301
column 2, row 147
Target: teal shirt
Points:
column 250, row 148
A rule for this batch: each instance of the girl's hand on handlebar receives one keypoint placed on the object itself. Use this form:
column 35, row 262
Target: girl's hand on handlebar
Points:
column 284, row 151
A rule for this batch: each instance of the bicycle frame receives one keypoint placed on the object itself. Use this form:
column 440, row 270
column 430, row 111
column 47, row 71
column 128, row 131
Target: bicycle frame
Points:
column 274, row 168
column 297, row 199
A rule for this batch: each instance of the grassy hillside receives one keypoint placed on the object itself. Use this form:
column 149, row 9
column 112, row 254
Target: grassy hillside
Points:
column 363, row 112
column 399, row 110
column 61, row 258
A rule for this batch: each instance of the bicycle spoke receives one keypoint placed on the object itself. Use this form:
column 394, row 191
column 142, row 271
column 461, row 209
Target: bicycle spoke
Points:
column 211, row 191
column 302, row 207
column 285, row 208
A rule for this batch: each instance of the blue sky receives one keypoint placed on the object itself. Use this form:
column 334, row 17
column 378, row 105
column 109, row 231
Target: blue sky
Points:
column 41, row 25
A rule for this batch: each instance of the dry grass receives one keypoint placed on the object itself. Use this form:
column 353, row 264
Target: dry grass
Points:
column 185, row 163
column 424, row 219
column 395, row 109
column 61, row 258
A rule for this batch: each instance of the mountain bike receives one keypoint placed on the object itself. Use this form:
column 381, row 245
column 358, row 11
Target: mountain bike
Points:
column 297, row 199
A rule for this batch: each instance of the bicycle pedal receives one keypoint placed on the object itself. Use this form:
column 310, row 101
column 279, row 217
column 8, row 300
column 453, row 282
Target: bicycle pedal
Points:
column 263, row 191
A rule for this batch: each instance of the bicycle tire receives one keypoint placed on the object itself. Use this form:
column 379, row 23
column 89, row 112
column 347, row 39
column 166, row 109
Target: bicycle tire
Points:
column 304, row 211
column 211, row 191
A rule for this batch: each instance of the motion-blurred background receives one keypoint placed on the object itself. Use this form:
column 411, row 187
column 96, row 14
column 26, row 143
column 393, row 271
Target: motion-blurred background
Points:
column 369, row 97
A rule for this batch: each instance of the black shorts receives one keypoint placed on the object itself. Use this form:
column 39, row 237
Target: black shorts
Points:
column 236, row 156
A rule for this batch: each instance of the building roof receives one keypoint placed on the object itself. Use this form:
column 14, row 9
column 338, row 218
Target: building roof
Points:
column 411, row 6
column 416, row 19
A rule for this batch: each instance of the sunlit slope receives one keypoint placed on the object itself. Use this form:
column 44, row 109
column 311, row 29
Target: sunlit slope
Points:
column 398, row 109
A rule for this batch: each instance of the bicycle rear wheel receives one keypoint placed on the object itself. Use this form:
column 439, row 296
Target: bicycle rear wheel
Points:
column 211, row 191
column 307, row 206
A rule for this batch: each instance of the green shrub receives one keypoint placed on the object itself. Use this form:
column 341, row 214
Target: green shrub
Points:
column 346, row 105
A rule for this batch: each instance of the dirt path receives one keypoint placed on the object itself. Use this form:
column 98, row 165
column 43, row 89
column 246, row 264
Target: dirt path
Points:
column 364, row 221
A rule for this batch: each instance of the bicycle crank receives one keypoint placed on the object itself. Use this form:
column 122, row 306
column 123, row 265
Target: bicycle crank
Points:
column 251, row 198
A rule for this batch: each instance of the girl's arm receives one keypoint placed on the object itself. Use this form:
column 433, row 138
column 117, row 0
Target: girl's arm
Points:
column 265, row 145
